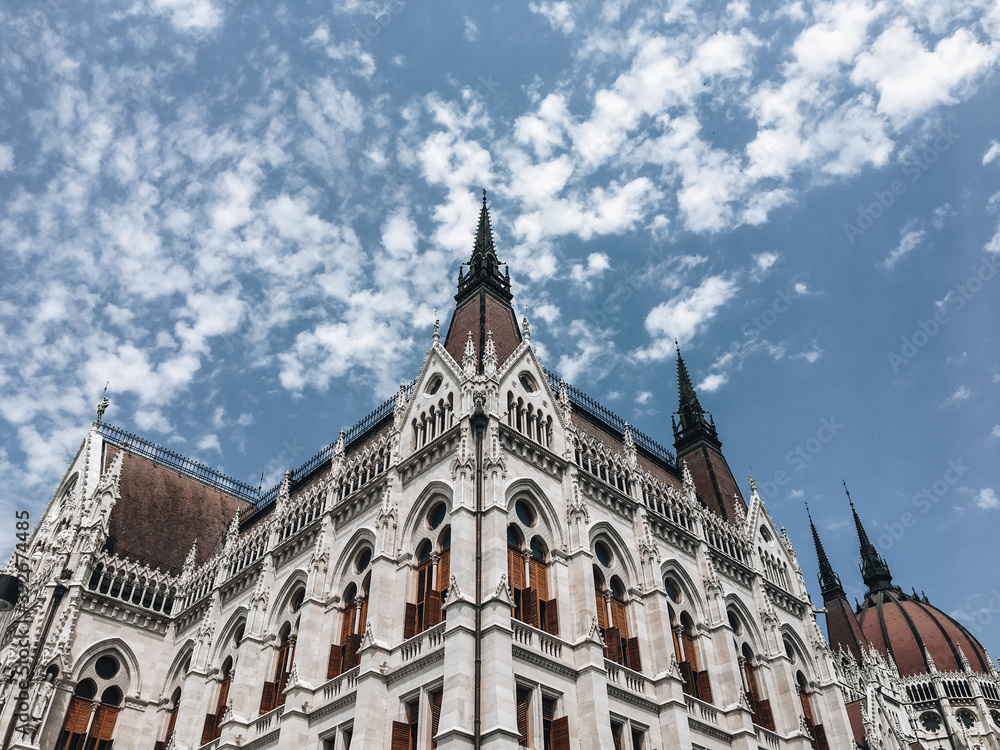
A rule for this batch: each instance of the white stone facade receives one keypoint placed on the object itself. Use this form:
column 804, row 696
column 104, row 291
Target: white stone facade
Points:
column 337, row 559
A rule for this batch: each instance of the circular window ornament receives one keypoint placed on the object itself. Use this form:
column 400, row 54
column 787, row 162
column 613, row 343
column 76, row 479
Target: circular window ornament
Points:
column 995, row 715
column 673, row 590
column 436, row 515
column 363, row 560
column 107, row 667
column 524, row 513
column 527, row 382
column 789, row 651
column 433, row 385
column 734, row 622
column 604, row 555
column 930, row 721
column 766, row 535
column 966, row 719
column 238, row 634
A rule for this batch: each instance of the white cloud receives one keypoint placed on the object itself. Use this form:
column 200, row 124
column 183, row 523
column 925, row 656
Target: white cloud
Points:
column 558, row 14
column 995, row 432
column 713, row 382
column 594, row 356
column 6, row 158
column 991, row 153
column 987, row 499
column 471, row 32
column 907, row 242
column 210, row 443
column 762, row 264
column 190, row 16
column 962, row 393
column 152, row 420
column 795, row 494
column 811, row 355
column 597, row 264
column 685, row 315
column 643, row 397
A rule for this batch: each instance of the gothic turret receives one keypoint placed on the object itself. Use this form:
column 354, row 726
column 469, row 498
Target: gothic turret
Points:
column 483, row 301
column 874, row 570
column 697, row 442
column 842, row 623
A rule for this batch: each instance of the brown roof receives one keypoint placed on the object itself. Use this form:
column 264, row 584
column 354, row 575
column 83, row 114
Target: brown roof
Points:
column 842, row 625
column 160, row 513
column 480, row 313
column 901, row 626
column 857, row 723
column 713, row 480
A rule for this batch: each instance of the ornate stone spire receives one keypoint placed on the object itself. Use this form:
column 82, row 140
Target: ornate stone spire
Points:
column 874, row 570
column 829, row 581
column 484, row 266
column 691, row 424
column 469, row 358
column 490, row 362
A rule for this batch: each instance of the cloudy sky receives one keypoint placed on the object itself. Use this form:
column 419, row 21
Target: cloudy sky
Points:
column 242, row 216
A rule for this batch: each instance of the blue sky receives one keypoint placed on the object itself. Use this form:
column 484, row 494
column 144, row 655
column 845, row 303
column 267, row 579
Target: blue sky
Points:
column 244, row 215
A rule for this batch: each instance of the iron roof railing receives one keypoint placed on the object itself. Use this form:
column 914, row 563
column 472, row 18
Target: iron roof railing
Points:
column 584, row 402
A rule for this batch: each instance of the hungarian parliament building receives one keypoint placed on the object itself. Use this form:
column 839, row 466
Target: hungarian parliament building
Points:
column 491, row 559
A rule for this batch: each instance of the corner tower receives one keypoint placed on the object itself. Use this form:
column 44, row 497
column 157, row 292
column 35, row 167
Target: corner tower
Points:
column 482, row 303
column 842, row 624
column 696, row 442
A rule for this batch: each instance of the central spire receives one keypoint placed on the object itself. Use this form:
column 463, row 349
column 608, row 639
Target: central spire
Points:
column 691, row 424
column 874, row 570
column 483, row 301
column 484, row 266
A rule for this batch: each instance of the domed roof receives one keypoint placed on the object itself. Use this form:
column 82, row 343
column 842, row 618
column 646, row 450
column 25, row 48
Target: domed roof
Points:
column 901, row 625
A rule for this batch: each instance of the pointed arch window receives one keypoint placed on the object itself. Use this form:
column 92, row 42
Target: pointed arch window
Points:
column 90, row 724
column 171, row 721
column 696, row 680
column 816, row 730
column 273, row 694
column 213, row 722
column 528, row 573
column 433, row 576
column 760, row 707
column 612, row 614
column 346, row 654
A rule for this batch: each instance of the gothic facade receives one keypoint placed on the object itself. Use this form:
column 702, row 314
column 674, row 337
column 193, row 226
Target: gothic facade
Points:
column 490, row 559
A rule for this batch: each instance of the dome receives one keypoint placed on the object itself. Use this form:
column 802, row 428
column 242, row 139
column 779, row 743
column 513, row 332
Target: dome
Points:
column 901, row 625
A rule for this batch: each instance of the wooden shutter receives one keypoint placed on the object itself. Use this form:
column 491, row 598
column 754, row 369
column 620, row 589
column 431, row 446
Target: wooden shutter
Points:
column 400, row 736
column 444, row 570
column 333, row 666
column 523, row 700
column 515, row 569
column 614, row 646
column 632, row 649
column 350, row 656
column 104, row 723
column 704, row 686
column 267, row 698
column 529, row 607
column 690, row 686
column 690, row 654
column 78, row 716
column 435, row 716
column 619, row 616
column 560, row 734
column 616, row 735
column 172, row 722
column 208, row 730
column 766, row 720
column 363, row 617
column 432, row 609
column 602, row 610
column 551, row 617
column 410, row 621
column 806, row 708
column 162, row 745
column 819, row 735
column 220, row 705
column 538, row 574
column 678, row 654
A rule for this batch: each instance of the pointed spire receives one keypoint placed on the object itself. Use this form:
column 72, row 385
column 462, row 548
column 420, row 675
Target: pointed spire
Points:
column 484, row 266
column 829, row 582
column 691, row 424
column 469, row 358
column 874, row 570
column 490, row 362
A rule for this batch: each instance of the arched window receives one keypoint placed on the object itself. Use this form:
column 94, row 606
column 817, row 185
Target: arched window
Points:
column 816, row 730
column 760, row 707
column 696, row 682
column 84, row 727
column 274, row 692
column 612, row 612
column 77, row 721
column 213, row 722
column 528, row 558
column 433, row 577
column 175, row 701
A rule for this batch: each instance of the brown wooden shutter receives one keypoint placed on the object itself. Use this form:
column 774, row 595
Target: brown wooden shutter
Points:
column 551, row 617
column 634, row 660
column 704, row 686
column 432, row 608
column 819, row 734
column 162, row 745
column 435, row 716
column 690, row 654
column 104, row 722
column 208, row 730
column 351, row 657
column 333, row 666
column 444, row 571
column 529, row 607
column 602, row 610
column 363, row 617
column 515, row 569
column 560, row 734
column 400, row 736
column 267, row 698
column 523, row 700
column 806, row 707
column 614, row 646
column 619, row 616
column 616, row 735
column 539, row 578
column 172, row 722
column 410, row 621
column 766, row 719
column 77, row 716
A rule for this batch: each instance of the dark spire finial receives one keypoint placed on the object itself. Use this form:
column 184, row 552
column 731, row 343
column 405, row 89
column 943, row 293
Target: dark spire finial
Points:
column 829, row 581
column 692, row 424
column 874, row 570
column 484, row 265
